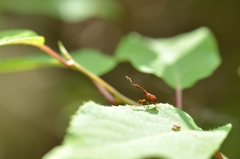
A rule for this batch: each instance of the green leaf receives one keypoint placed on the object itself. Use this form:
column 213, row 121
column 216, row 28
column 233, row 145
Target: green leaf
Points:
column 27, row 37
column 27, row 63
column 94, row 61
column 129, row 132
column 181, row 60
column 67, row 10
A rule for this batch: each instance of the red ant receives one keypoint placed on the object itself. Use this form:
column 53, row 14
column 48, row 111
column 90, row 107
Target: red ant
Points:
column 149, row 98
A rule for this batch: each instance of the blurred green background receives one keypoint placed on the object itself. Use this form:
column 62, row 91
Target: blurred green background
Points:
column 35, row 106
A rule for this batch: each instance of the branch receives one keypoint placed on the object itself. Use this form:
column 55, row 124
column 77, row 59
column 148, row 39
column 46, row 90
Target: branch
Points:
column 71, row 63
column 52, row 53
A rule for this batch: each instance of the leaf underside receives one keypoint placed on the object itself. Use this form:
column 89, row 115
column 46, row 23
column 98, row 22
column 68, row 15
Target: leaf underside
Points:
column 129, row 132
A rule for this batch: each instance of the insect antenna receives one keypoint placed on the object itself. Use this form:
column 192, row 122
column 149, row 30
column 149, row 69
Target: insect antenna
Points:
column 136, row 85
column 149, row 98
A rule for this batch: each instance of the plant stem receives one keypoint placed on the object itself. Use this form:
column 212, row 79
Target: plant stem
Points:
column 103, row 83
column 54, row 55
column 72, row 64
column 106, row 94
column 218, row 155
column 179, row 97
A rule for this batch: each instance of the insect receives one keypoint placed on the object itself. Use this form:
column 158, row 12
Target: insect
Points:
column 176, row 127
column 149, row 98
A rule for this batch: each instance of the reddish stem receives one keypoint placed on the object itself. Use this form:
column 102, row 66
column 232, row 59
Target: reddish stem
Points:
column 54, row 55
column 70, row 63
column 106, row 94
column 179, row 97
column 218, row 155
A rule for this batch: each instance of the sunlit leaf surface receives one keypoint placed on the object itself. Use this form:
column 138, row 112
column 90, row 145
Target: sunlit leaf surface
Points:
column 129, row 132
column 27, row 37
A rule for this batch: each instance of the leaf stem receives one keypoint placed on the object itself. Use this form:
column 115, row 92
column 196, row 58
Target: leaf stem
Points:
column 106, row 94
column 98, row 80
column 52, row 53
column 218, row 155
column 179, row 97
column 71, row 63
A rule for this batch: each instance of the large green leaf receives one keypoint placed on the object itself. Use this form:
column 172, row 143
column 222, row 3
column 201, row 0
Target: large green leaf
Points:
column 181, row 60
column 93, row 60
column 129, row 132
column 27, row 63
column 27, row 37
column 67, row 10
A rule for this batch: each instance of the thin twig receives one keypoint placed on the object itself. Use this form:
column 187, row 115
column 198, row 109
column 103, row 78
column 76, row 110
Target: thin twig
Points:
column 52, row 53
column 95, row 78
column 71, row 63
column 106, row 94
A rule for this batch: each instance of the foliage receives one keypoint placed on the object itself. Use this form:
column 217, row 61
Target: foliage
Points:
column 67, row 10
column 87, row 57
column 27, row 63
column 38, row 60
column 27, row 37
column 136, row 132
column 94, row 60
column 180, row 61
column 133, row 132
